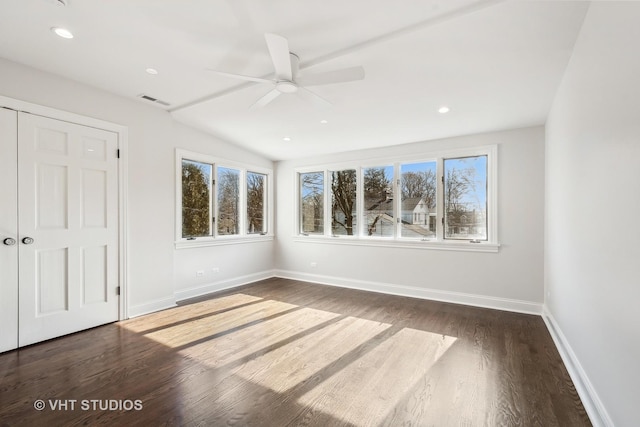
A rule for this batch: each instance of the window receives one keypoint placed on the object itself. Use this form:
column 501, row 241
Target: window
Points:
column 220, row 201
column 446, row 200
column 343, row 203
column 465, row 198
column 417, row 199
column 228, row 200
column 377, row 188
column 256, row 203
column 312, row 202
column 196, row 198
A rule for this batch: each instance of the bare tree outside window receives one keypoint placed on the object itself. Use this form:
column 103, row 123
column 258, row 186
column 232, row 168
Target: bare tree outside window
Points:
column 312, row 202
column 465, row 197
column 196, row 199
column 256, row 183
column 343, row 202
column 378, row 201
column 228, row 186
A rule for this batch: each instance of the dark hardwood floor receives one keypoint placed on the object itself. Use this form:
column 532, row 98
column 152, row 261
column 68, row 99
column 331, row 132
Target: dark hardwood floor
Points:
column 287, row 353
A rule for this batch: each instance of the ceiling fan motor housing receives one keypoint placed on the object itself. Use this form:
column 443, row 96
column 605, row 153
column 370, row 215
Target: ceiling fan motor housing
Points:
column 286, row 86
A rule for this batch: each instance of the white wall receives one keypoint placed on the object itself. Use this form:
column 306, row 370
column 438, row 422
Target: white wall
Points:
column 153, row 137
column 515, row 273
column 592, row 247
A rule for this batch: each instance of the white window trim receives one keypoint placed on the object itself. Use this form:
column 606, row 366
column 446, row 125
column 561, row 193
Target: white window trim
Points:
column 439, row 243
column 215, row 240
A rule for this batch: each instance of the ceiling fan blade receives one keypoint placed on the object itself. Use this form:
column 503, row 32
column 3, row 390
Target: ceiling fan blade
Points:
column 279, row 51
column 241, row 77
column 270, row 96
column 313, row 97
column 329, row 77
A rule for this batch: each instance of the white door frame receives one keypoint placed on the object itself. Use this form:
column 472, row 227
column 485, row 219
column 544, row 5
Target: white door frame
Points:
column 123, row 135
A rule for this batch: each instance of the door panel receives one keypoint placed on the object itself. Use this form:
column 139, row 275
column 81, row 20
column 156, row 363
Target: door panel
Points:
column 8, row 230
column 67, row 185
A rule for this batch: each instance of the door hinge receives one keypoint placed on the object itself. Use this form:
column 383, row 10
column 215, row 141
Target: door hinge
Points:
column 442, row 220
column 118, row 153
column 118, row 290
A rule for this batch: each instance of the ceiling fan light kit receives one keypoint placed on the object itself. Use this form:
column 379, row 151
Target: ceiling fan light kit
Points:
column 286, row 80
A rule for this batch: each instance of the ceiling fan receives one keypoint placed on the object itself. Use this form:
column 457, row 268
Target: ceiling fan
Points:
column 286, row 79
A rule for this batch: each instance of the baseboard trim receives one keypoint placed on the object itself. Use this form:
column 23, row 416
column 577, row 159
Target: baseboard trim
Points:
column 151, row 306
column 593, row 405
column 506, row 304
column 208, row 288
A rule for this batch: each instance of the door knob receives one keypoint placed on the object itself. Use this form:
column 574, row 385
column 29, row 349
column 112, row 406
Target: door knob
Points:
column 9, row 241
column 27, row 240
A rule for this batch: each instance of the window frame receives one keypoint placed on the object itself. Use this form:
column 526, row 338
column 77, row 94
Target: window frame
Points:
column 243, row 235
column 361, row 200
column 439, row 242
column 299, row 218
column 265, row 203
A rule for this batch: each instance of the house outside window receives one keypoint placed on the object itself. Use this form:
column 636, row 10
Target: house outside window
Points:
column 449, row 197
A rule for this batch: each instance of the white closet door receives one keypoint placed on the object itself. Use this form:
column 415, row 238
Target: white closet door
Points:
column 68, row 224
column 8, row 230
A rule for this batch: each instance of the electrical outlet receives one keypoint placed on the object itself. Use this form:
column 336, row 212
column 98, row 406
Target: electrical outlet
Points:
column 199, row 273
column 314, row 264
column 215, row 270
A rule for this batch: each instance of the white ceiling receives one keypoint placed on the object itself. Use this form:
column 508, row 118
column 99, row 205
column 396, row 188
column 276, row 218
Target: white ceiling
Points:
column 496, row 64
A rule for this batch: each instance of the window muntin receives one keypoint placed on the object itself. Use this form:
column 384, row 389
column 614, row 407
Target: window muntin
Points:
column 343, row 203
column 377, row 209
column 418, row 196
column 311, row 202
column 256, row 203
column 465, row 198
column 196, row 199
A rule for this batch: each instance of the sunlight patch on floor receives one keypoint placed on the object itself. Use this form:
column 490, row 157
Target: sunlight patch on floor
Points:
column 366, row 391
column 185, row 312
column 258, row 338
column 291, row 364
column 201, row 328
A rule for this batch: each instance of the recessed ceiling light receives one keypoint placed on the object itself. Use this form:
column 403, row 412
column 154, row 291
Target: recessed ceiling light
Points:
column 152, row 71
column 286, row 138
column 444, row 109
column 324, row 122
column 62, row 32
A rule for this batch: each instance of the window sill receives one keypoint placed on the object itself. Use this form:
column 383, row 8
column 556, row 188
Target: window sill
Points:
column 464, row 246
column 222, row 240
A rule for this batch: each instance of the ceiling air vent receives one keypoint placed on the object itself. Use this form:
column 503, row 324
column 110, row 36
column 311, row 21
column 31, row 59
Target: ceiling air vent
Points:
column 152, row 99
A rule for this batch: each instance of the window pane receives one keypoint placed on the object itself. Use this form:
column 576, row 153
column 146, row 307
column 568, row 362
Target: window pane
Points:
column 465, row 198
column 418, row 199
column 228, row 197
column 378, row 201
column 312, row 202
column 343, row 203
column 196, row 199
column 256, row 184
